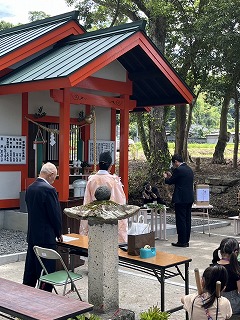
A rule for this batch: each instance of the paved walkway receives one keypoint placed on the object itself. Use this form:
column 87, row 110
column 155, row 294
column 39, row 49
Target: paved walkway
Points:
column 138, row 291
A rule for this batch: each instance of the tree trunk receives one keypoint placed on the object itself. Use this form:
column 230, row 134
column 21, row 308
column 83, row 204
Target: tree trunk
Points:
column 142, row 135
column 236, row 141
column 158, row 145
column 186, row 155
column 180, row 128
column 218, row 156
column 154, row 140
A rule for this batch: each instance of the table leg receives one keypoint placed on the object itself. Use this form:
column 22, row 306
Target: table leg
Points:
column 203, row 221
column 156, row 224
column 164, row 223
column 162, row 281
column 208, row 222
column 160, row 225
column 152, row 218
column 186, row 282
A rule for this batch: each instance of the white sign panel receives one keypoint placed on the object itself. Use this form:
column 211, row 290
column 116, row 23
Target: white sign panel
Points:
column 202, row 194
column 101, row 146
column 10, row 185
column 12, row 150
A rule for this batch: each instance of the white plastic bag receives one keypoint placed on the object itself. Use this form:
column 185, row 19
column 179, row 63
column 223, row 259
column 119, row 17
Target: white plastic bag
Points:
column 139, row 227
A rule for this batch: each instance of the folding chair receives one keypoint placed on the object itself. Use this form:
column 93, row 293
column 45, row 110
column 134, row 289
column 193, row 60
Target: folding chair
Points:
column 57, row 278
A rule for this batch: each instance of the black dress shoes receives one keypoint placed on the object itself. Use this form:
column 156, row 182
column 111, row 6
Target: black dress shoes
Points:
column 183, row 245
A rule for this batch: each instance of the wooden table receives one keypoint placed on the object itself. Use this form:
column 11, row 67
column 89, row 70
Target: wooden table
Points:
column 163, row 266
column 29, row 303
column 203, row 213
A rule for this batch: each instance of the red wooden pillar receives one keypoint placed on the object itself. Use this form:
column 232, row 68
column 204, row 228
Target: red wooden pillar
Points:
column 24, row 171
column 64, row 136
column 123, row 159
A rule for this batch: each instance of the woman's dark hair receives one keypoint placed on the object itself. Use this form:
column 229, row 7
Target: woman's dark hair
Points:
column 216, row 257
column 211, row 275
column 105, row 160
column 231, row 247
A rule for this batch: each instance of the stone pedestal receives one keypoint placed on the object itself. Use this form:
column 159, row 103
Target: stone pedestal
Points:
column 120, row 314
column 103, row 290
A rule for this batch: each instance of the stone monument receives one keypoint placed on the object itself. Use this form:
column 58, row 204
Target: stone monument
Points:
column 103, row 215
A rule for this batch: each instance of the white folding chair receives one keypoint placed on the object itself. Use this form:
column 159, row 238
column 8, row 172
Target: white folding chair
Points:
column 57, row 278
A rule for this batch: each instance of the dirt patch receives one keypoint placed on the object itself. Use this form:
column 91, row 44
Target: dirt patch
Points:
column 224, row 204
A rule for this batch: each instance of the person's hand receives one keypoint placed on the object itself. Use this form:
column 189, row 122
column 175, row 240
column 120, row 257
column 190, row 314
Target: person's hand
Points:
column 167, row 174
column 60, row 239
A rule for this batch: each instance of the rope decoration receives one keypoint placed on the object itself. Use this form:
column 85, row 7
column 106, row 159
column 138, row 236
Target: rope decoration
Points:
column 91, row 118
column 55, row 130
column 94, row 140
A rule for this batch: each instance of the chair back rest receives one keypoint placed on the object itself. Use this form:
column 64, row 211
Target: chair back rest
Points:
column 45, row 253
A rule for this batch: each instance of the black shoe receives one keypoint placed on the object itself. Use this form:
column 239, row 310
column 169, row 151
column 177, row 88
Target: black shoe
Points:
column 177, row 244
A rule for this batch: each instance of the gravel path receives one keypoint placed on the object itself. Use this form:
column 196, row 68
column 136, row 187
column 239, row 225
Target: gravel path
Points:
column 12, row 241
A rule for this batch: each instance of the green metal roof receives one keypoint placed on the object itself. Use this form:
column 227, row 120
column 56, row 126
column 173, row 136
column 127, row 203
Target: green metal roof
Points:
column 71, row 54
column 151, row 86
column 14, row 38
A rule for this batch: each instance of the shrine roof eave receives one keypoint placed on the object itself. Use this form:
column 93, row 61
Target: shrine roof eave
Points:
column 154, row 80
column 22, row 41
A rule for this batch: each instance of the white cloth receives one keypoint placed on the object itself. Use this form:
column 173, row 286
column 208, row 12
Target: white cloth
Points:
column 198, row 312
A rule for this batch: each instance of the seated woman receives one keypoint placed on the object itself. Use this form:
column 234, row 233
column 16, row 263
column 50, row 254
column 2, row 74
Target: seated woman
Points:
column 229, row 250
column 208, row 305
column 104, row 178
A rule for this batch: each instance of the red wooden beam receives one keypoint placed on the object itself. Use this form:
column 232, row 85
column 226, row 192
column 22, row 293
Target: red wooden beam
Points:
column 106, row 85
column 64, row 136
column 34, row 86
column 123, row 154
column 91, row 99
column 9, row 203
column 40, row 43
column 24, row 173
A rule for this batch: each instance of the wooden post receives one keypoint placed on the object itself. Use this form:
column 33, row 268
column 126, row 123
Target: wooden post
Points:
column 123, row 159
column 218, row 289
column 198, row 162
column 64, row 137
column 198, row 281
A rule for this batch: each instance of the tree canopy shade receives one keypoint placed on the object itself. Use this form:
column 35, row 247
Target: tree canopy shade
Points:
column 37, row 15
column 201, row 40
column 5, row 25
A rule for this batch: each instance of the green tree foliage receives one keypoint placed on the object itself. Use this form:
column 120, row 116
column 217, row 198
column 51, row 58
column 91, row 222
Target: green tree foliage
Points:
column 224, row 32
column 5, row 25
column 201, row 40
column 37, row 15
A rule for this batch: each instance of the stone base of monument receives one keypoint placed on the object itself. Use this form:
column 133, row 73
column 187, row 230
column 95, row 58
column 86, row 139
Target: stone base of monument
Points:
column 120, row 314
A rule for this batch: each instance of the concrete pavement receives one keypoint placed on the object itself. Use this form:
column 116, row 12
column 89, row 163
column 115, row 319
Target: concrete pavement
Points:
column 138, row 291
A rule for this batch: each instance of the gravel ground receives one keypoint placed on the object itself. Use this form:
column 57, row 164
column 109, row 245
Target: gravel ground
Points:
column 15, row 241
column 12, row 241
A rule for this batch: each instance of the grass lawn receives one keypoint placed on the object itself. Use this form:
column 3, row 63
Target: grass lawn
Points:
column 202, row 150
column 205, row 150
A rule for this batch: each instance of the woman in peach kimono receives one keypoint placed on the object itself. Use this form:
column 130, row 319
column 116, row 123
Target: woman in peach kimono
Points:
column 104, row 178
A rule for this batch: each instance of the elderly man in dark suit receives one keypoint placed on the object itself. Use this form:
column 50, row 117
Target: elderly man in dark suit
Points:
column 183, row 197
column 44, row 223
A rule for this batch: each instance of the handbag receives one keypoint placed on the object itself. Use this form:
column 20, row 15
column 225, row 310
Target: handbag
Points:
column 138, row 241
column 139, row 236
column 139, row 227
